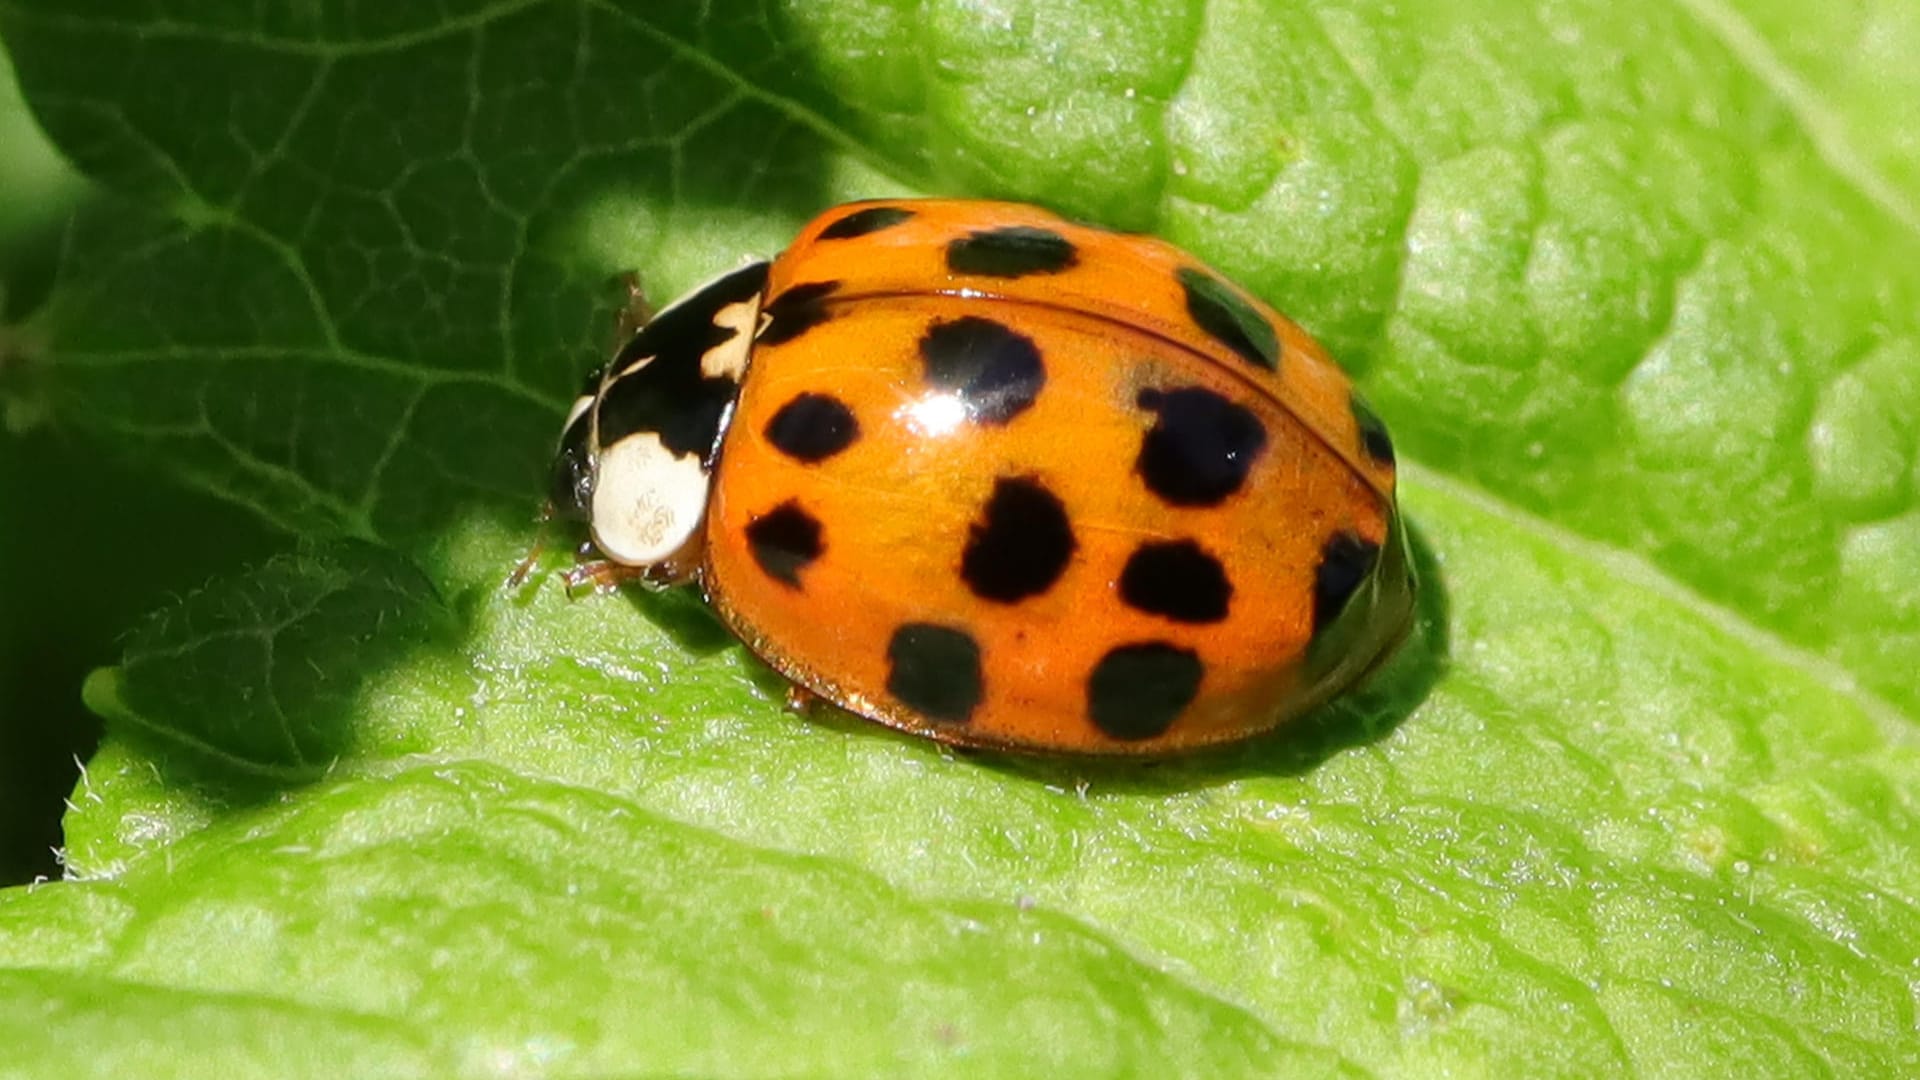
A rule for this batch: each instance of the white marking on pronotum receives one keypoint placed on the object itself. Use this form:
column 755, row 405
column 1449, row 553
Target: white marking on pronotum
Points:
column 648, row 502
column 639, row 362
column 728, row 360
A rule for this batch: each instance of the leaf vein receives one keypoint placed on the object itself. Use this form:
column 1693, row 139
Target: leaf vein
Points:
column 1823, row 129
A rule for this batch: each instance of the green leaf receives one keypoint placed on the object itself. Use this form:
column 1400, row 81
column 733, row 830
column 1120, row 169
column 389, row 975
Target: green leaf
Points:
column 656, row 944
column 70, row 589
column 293, row 645
column 1633, row 283
column 68, row 585
column 40, row 188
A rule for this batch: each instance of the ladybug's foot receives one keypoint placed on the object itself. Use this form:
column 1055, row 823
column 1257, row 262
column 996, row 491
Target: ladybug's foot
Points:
column 801, row 700
column 678, row 568
column 524, row 568
column 601, row 576
column 604, row 575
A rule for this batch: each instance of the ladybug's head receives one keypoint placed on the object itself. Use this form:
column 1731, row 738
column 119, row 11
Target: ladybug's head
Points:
column 642, row 500
column 570, row 488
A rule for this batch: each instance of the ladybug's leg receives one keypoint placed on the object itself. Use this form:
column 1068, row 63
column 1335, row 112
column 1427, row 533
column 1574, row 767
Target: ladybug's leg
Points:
column 601, row 575
column 635, row 313
column 801, row 700
column 605, row 575
column 525, row 566
column 677, row 568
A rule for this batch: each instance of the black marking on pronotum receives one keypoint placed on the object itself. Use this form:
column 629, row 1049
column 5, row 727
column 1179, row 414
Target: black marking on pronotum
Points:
column 1200, row 448
column 812, row 427
column 1230, row 320
column 785, row 541
column 861, row 222
column 1345, row 561
column 995, row 371
column 671, row 397
column 1176, row 579
column 796, row 311
column 1011, row 252
column 1021, row 544
column 1373, row 433
column 935, row 670
column 1137, row 691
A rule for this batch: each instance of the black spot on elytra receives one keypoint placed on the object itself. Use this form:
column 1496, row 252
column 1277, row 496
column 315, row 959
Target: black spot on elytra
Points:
column 1230, row 320
column 796, row 311
column 995, row 372
column 671, row 397
column 1021, row 544
column 935, row 670
column 1011, row 252
column 861, row 222
column 812, row 427
column 785, row 541
column 1176, row 579
column 1373, row 433
column 1345, row 561
column 1138, row 691
column 1201, row 447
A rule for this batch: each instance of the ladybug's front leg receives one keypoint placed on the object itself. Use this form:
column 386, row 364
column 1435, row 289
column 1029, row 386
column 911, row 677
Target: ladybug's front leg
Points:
column 604, row 575
column 601, row 575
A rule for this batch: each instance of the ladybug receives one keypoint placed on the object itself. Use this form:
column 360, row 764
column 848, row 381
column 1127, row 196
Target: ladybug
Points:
column 986, row 475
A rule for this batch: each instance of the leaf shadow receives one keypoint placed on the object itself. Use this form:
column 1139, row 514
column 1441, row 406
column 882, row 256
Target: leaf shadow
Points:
column 385, row 338
column 687, row 164
column 256, row 683
column 595, row 141
column 685, row 618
